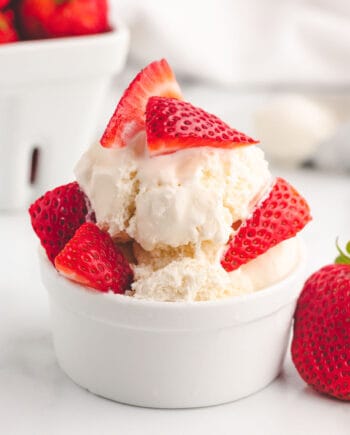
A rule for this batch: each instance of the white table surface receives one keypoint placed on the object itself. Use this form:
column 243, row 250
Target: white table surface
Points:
column 36, row 398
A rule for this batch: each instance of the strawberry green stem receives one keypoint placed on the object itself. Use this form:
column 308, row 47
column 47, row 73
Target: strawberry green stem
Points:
column 343, row 257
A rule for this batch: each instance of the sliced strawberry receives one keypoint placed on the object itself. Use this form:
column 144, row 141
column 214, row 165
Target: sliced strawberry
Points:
column 172, row 125
column 281, row 216
column 129, row 117
column 57, row 215
column 90, row 258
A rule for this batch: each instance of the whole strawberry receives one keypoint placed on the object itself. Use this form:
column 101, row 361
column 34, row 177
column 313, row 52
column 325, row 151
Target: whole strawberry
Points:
column 8, row 32
column 321, row 341
column 57, row 18
column 173, row 125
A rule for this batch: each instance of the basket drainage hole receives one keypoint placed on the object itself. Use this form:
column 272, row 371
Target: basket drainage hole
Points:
column 34, row 164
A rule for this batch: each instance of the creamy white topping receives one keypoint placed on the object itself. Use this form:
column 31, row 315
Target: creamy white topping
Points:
column 178, row 211
column 190, row 196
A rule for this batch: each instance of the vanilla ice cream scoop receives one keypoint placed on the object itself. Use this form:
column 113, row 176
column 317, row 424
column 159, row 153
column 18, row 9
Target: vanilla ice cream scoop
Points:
column 178, row 212
column 191, row 196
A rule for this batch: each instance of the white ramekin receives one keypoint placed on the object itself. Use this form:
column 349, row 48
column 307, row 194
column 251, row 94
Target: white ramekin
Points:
column 50, row 95
column 170, row 354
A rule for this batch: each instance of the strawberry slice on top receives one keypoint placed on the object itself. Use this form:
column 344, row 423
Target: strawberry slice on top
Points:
column 172, row 125
column 56, row 216
column 129, row 117
column 279, row 217
column 90, row 258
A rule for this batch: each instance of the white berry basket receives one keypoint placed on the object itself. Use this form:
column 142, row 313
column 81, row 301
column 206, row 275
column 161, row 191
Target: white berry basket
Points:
column 170, row 354
column 50, row 94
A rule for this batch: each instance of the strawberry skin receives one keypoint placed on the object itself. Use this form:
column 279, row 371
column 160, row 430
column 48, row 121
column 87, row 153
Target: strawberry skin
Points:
column 33, row 16
column 172, row 125
column 129, row 117
column 8, row 32
column 4, row 3
column 78, row 17
column 90, row 258
column 281, row 216
column 58, row 18
column 321, row 342
column 56, row 216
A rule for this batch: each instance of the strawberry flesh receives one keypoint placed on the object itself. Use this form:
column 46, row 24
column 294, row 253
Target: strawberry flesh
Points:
column 172, row 125
column 129, row 117
column 90, row 258
column 56, row 216
column 281, row 216
column 321, row 341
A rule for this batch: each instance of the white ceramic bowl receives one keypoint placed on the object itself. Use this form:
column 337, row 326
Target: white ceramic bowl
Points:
column 50, row 94
column 170, row 354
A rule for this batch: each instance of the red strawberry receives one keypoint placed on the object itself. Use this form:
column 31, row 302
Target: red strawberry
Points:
column 33, row 16
column 281, row 216
column 79, row 17
column 56, row 18
column 57, row 215
column 90, row 258
column 8, row 32
column 321, row 341
column 4, row 3
column 129, row 117
column 172, row 125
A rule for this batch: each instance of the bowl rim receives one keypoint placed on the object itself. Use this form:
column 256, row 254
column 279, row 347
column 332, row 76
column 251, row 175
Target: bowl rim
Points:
column 119, row 310
column 117, row 30
column 46, row 62
column 233, row 300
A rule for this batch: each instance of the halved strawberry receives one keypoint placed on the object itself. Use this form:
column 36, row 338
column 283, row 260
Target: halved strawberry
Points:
column 90, row 258
column 281, row 216
column 129, row 117
column 172, row 125
column 57, row 215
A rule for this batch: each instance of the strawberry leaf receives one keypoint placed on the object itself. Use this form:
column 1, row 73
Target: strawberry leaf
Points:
column 342, row 258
